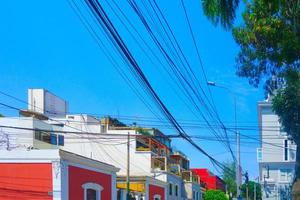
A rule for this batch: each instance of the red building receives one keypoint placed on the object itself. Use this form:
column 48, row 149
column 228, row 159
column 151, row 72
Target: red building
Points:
column 54, row 174
column 211, row 181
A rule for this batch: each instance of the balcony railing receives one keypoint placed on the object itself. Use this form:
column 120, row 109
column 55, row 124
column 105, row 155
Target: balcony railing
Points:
column 189, row 176
column 163, row 163
column 159, row 163
column 149, row 144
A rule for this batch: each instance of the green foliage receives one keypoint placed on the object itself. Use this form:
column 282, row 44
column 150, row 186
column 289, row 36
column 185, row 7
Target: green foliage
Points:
column 1, row 115
column 250, row 186
column 269, row 39
column 143, row 131
column 228, row 176
column 286, row 105
column 215, row 195
column 220, row 11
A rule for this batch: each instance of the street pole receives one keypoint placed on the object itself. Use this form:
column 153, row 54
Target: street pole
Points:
column 238, row 160
column 254, row 191
column 247, row 191
column 238, row 170
column 128, row 169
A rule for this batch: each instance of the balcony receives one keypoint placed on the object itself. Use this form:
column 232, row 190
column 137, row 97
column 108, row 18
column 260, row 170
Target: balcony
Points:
column 189, row 176
column 148, row 144
column 159, row 163
column 163, row 163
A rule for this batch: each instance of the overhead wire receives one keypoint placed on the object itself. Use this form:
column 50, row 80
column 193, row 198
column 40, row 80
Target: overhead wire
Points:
column 106, row 24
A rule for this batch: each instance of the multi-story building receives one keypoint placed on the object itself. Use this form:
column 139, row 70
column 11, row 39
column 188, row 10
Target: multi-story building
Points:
column 191, row 181
column 276, row 155
column 155, row 170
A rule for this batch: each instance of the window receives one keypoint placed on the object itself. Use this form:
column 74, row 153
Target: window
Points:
column 194, row 195
column 49, row 138
column 176, row 190
column 42, row 136
column 53, row 138
column 157, row 197
column 92, row 191
column 170, row 189
column 286, row 150
column 91, row 194
column 286, row 175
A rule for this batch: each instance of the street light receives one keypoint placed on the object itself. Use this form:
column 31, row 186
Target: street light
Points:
column 237, row 167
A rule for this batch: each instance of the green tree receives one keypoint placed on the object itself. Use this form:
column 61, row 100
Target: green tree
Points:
column 286, row 105
column 229, row 178
column 215, row 195
column 1, row 115
column 250, row 186
column 221, row 12
column 269, row 41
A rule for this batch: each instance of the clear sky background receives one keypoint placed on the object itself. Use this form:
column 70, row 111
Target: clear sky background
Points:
column 43, row 44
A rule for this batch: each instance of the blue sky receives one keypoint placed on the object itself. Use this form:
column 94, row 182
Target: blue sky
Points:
column 44, row 45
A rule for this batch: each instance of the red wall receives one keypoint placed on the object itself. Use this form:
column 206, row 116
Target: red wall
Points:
column 25, row 181
column 79, row 176
column 153, row 190
column 212, row 182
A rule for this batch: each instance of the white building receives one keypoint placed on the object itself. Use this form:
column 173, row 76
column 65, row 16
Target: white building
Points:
column 276, row 156
column 106, row 141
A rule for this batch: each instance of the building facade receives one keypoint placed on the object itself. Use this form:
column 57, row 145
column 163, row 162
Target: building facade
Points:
column 276, row 155
column 156, row 171
column 55, row 174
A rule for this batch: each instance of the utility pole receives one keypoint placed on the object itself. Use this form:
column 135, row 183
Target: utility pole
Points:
column 238, row 170
column 247, row 191
column 254, row 190
column 128, row 169
column 238, row 160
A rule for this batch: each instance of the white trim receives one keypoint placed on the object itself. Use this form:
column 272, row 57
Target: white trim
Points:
column 64, row 179
column 94, row 186
column 56, row 180
column 114, row 186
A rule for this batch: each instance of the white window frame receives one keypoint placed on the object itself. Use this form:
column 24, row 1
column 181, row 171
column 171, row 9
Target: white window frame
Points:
column 157, row 196
column 94, row 186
